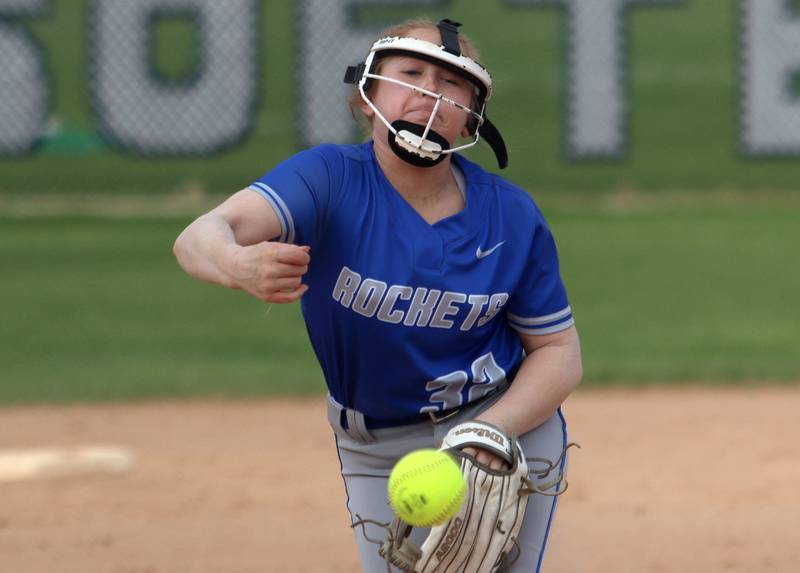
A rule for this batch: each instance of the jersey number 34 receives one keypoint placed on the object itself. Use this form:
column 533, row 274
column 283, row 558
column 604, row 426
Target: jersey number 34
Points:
column 448, row 391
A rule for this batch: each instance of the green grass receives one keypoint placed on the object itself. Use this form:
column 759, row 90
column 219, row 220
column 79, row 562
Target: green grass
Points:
column 97, row 309
column 682, row 63
column 699, row 297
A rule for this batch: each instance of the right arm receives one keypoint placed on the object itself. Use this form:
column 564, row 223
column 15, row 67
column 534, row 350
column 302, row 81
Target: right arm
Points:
column 232, row 246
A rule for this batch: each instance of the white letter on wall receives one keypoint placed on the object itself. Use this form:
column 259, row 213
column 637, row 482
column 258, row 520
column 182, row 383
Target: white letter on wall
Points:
column 143, row 114
column 596, row 74
column 24, row 89
column 770, row 104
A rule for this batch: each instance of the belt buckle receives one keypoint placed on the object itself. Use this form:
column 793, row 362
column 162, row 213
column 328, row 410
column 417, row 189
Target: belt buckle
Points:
column 439, row 419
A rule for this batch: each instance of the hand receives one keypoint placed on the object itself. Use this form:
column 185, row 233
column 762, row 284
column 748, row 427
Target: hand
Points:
column 487, row 458
column 484, row 456
column 270, row 271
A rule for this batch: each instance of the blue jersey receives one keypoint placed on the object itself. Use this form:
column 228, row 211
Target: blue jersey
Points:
column 407, row 317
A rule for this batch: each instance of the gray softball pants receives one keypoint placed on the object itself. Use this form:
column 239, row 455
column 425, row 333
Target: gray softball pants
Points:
column 366, row 467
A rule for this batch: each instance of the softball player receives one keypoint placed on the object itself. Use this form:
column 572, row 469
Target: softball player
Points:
column 430, row 287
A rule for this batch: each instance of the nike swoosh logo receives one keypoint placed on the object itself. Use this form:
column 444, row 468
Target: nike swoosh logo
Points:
column 481, row 254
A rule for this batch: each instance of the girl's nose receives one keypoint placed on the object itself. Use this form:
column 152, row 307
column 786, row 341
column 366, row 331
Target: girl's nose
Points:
column 430, row 82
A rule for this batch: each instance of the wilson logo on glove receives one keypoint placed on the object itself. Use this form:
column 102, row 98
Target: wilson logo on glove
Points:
column 482, row 433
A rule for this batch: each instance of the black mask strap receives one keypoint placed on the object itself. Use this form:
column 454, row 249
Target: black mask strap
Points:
column 354, row 73
column 489, row 132
column 449, row 31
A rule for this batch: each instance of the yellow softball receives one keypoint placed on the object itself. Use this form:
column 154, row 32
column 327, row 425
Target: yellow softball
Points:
column 426, row 488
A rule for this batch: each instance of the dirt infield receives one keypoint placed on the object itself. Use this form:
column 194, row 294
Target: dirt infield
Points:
column 687, row 480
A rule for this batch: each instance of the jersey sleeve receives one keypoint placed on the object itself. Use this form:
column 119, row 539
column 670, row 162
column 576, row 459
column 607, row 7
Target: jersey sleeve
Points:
column 300, row 191
column 539, row 304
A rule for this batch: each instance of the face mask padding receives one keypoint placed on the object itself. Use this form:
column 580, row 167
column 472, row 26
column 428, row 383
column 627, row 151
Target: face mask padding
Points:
column 406, row 144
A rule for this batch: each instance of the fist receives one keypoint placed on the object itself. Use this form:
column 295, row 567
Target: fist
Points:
column 270, row 271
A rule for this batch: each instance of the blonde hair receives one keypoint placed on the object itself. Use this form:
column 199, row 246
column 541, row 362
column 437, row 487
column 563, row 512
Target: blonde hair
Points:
column 404, row 30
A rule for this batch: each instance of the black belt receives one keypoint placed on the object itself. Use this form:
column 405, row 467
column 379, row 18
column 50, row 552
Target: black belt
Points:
column 437, row 417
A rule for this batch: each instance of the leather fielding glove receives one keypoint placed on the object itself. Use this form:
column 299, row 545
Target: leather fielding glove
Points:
column 482, row 536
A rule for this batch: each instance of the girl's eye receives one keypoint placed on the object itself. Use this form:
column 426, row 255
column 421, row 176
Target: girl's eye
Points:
column 411, row 72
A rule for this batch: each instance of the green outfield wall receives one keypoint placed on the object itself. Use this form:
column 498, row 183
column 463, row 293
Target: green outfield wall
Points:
column 590, row 94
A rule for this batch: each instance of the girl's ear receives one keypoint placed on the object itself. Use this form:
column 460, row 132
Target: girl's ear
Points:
column 365, row 109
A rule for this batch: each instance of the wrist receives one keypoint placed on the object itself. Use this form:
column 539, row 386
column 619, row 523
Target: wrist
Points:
column 227, row 265
column 488, row 418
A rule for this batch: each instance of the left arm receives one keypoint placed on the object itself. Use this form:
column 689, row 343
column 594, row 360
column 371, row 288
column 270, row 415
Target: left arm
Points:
column 549, row 373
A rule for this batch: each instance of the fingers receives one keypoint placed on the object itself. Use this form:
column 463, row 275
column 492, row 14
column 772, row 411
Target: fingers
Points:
column 271, row 271
column 284, row 270
column 282, row 290
column 270, row 252
column 281, row 296
column 287, row 283
column 497, row 463
column 291, row 254
column 284, row 297
column 487, row 458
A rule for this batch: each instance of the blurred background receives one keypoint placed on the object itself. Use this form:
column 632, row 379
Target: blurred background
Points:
column 661, row 138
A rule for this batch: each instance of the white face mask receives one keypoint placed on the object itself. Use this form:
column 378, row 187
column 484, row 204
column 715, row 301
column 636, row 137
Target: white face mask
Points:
column 420, row 144
column 416, row 143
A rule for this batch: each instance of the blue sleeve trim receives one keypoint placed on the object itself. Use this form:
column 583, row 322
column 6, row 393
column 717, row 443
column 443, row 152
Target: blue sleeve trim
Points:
column 545, row 324
column 522, row 321
column 281, row 210
column 545, row 330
